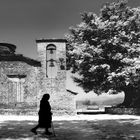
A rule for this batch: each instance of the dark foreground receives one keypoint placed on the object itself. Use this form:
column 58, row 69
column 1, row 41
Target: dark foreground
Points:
column 93, row 127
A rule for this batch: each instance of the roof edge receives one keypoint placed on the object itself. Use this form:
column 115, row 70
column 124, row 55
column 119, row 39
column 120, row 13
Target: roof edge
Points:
column 51, row 40
column 72, row 92
column 20, row 57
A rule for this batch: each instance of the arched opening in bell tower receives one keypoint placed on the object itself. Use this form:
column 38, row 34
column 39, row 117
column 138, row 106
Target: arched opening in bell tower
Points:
column 51, row 63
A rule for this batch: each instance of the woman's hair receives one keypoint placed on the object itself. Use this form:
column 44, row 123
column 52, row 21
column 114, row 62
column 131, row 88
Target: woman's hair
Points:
column 46, row 97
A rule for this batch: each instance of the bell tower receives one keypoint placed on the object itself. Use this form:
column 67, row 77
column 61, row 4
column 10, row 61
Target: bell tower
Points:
column 52, row 73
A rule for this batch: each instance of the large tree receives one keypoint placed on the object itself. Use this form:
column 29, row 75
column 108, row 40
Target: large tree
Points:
column 104, row 50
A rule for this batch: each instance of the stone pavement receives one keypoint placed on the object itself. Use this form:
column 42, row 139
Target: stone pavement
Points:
column 81, row 127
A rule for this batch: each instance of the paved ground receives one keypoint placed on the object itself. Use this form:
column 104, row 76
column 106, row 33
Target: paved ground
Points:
column 81, row 127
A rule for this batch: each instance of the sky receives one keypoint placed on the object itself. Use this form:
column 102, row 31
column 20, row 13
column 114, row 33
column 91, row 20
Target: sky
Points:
column 24, row 21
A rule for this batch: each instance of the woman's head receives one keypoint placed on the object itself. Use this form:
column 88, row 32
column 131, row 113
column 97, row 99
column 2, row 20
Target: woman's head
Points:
column 46, row 96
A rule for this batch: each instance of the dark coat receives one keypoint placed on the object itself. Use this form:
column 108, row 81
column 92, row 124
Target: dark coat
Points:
column 45, row 115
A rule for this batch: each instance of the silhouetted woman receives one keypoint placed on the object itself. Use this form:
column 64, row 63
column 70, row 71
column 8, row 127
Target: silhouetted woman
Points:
column 45, row 115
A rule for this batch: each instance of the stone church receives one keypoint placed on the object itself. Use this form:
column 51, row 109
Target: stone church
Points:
column 23, row 80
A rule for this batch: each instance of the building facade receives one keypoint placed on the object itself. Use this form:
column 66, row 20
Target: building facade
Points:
column 52, row 73
column 17, row 78
column 23, row 81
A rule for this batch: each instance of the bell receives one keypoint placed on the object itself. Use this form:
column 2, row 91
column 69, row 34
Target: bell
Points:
column 51, row 51
column 51, row 63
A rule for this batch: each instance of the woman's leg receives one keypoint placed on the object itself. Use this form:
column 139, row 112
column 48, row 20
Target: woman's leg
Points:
column 34, row 129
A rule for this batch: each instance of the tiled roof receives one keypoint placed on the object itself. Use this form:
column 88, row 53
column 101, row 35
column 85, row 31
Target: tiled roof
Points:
column 19, row 57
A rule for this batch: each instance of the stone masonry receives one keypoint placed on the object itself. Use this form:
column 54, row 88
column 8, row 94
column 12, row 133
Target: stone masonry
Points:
column 23, row 81
column 52, row 74
column 18, row 84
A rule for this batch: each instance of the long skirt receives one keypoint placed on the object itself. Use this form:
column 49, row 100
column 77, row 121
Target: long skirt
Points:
column 45, row 120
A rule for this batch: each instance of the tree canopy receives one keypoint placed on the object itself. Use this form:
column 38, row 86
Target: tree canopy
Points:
column 104, row 49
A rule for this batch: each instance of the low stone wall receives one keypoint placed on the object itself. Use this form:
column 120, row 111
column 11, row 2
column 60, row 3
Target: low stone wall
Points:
column 129, row 111
column 33, row 112
column 18, row 106
column 25, row 109
column 18, row 112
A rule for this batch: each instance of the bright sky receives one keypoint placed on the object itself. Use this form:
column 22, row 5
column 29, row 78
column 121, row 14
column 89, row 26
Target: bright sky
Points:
column 24, row 21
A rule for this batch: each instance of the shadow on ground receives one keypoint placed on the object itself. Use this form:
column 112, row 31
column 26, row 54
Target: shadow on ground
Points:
column 16, row 129
column 123, row 129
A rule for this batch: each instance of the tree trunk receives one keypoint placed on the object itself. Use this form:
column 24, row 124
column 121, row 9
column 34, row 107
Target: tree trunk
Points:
column 127, row 100
column 129, row 92
column 136, row 101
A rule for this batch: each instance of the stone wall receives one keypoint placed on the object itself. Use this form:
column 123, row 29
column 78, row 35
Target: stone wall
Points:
column 129, row 111
column 60, row 99
column 63, row 104
column 51, row 85
column 9, row 72
column 31, row 78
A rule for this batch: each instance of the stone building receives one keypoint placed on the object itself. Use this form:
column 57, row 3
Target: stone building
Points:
column 18, row 86
column 52, row 73
column 23, row 81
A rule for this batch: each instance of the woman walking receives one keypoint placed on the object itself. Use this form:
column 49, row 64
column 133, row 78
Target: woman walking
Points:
column 45, row 115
